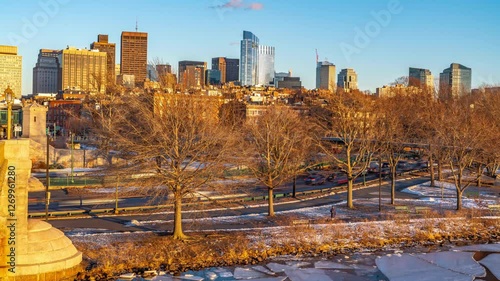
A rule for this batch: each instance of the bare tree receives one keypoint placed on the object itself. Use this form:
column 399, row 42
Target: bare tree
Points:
column 394, row 131
column 277, row 142
column 349, row 118
column 175, row 140
column 462, row 134
column 486, row 105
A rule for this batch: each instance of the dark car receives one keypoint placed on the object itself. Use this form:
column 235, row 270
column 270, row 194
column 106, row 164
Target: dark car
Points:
column 403, row 165
column 331, row 177
column 315, row 179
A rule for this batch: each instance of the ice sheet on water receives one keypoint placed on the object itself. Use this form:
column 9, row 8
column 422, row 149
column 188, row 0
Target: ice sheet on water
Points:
column 363, row 269
column 128, row 276
column 330, row 265
column 190, row 277
column 211, row 275
column 281, row 278
column 492, row 262
column 455, row 261
column 494, row 248
column 408, row 267
column 162, row 278
column 316, row 274
column 307, row 274
column 298, row 263
column 247, row 273
column 277, row 267
column 262, row 269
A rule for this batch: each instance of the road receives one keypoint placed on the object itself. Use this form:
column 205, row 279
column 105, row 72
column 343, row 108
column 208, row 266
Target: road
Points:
column 122, row 222
column 67, row 200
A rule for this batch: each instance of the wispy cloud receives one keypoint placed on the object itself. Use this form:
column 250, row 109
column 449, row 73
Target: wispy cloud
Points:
column 255, row 6
column 240, row 4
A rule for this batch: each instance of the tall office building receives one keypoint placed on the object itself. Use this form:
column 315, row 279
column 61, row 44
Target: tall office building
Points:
column 212, row 77
column 325, row 76
column 265, row 75
column 455, row 81
column 421, row 78
column 232, row 70
column 134, row 55
column 83, row 69
column 347, row 79
column 46, row 72
column 229, row 68
column 10, row 70
column 249, row 59
column 103, row 45
column 192, row 74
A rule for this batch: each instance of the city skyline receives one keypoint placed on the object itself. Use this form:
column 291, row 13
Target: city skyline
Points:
column 380, row 40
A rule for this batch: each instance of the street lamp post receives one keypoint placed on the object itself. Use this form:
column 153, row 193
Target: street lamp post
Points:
column 72, row 144
column 9, row 98
column 47, row 178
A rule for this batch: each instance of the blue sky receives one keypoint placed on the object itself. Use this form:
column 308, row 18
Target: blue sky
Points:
column 380, row 39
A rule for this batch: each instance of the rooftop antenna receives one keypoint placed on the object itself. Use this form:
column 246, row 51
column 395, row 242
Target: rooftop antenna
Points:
column 136, row 25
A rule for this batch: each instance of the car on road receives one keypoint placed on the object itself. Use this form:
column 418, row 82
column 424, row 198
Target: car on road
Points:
column 331, row 177
column 341, row 180
column 315, row 179
column 403, row 165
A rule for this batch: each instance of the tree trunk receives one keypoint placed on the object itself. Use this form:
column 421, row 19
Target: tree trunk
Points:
column 294, row 185
column 479, row 175
column 393, row 185
column 178, row 234
column 431, row 170
column 440, row 171
column 350, row 180
column 271, row 202
column 459, row 199
column 459, row 189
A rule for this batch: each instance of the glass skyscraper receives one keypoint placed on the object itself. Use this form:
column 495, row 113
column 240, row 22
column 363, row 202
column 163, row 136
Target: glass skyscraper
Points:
column 455, row 81
column 249, row 63
column 266, row 65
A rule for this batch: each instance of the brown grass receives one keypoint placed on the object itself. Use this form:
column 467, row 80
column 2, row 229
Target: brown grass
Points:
column 153, row 251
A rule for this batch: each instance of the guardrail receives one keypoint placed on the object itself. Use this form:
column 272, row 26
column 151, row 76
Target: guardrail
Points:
column 91, row 212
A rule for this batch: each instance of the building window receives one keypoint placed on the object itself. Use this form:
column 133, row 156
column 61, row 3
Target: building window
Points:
column 35, row 119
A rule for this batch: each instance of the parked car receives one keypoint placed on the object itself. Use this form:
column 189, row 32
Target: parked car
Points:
column 315, row 179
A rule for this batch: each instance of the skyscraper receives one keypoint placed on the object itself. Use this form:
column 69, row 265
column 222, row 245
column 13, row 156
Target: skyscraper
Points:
column 134, row 55
column 10, row 70
column 420, row 77
column 265, row 75
column 46, row 72
column 212, row 77
column 249, row 59
column 347, row 79
column 229, row 68
column 192, row 74
column 325, row 76
column 455, row 81
column 83, row 69
column 103, row 45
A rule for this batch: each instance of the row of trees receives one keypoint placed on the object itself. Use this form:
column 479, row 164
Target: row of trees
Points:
column 181, row 143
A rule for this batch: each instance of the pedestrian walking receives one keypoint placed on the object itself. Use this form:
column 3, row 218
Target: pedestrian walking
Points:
column 333, row 212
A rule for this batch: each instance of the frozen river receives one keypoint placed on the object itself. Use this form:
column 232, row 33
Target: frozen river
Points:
column 476, row 262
